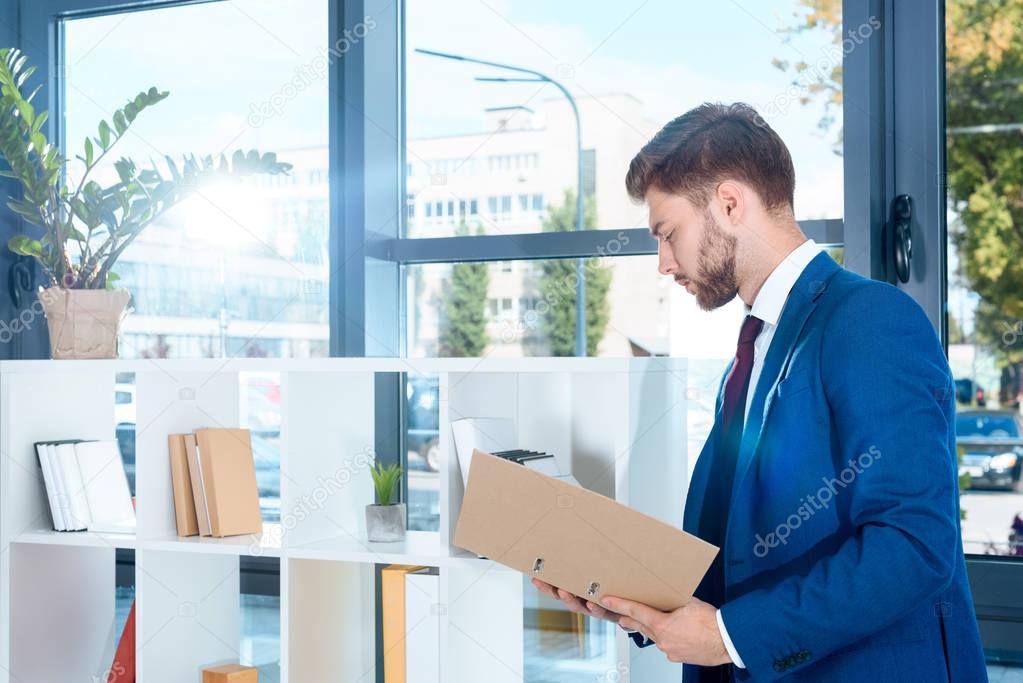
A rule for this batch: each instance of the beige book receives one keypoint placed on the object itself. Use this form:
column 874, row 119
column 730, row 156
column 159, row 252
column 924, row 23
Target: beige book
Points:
column 195, row 475
column 229, row 481
column 181, row 484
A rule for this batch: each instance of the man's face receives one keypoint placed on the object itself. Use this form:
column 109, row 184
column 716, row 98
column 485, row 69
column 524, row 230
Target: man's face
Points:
column 692, row 248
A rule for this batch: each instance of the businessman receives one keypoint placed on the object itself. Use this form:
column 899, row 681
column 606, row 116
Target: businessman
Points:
column 829, row 479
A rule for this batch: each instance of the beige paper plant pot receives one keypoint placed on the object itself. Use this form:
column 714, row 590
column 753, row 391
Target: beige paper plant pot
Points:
column 83, row 322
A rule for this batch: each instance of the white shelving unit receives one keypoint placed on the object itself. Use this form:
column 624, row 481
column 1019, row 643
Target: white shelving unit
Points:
column 619, row 425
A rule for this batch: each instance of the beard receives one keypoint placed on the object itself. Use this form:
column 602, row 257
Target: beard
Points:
column 715, row 283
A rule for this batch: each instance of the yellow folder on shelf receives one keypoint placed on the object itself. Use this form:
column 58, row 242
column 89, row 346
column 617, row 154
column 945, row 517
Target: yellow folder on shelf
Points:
column 576, row 539
column 392, row 596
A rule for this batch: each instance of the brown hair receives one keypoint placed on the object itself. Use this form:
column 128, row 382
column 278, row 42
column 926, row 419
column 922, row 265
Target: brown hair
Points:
column 708, row 145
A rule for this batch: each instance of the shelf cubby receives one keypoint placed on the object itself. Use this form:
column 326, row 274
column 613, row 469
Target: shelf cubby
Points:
column 331, row 623
column 618, row 425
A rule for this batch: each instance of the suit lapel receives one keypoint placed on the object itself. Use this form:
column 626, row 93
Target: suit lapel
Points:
column 800, row 304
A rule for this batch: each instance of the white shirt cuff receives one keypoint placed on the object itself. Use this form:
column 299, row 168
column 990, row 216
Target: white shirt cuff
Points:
column 736, row 659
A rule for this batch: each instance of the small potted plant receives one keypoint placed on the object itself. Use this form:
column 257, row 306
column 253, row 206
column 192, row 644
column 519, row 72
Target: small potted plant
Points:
column 385, row 521
column 78, row 227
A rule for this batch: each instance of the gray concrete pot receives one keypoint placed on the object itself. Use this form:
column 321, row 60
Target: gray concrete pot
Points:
column 385, row 522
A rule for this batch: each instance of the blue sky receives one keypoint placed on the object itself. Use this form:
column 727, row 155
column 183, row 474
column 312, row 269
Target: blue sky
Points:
column 221, row 59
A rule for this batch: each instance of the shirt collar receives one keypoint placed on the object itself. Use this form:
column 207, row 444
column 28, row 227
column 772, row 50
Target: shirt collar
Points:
column 772, row 295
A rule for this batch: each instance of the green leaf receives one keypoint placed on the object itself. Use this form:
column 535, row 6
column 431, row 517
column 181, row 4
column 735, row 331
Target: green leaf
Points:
column 173, row 168
column 25, row 246
column 119, row 123
column 26, row 111
column 40, row 120
column 150, row 176
column 125, row 169
column 32, row 94
column 104, row 134
column 39, row 143
column 89, row 152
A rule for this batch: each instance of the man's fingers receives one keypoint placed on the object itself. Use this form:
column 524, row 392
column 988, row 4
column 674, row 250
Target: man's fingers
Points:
column 648, row 617
column 601, row 613
column 573, row 602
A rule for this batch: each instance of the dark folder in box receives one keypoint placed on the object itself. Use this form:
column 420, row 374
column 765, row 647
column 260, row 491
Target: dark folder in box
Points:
column 576, row 539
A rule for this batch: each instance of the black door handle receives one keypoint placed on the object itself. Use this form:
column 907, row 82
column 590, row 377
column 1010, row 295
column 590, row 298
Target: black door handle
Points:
column 19, row 280
column 898, row 236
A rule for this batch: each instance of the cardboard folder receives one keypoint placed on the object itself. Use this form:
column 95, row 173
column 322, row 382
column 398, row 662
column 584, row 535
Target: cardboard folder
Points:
column 576, row 539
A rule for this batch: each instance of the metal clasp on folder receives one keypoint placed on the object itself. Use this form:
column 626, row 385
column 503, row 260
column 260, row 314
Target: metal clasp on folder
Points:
column 593, row 589
column 538, row 565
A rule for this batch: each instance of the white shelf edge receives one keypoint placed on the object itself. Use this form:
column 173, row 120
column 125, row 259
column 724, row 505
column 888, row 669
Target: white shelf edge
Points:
column 417, row 550
column 419, row 547
column 91, row 539
column 269, row 544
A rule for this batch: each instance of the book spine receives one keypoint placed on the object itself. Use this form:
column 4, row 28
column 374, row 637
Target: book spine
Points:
column 198, row 491
column 51, row 487
column 209, row 485
column 181, row 482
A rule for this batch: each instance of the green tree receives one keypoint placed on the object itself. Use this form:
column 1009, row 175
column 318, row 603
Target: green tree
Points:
column 984, row 76
column 558, row 284
column 464, row 328
column 984, row 86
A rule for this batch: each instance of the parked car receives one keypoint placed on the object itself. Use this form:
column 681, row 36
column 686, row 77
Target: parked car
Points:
column 124, row 403
column 992, row 446
column 266, row 454
column 125, row 434
column 423, row 395
column 968, row 392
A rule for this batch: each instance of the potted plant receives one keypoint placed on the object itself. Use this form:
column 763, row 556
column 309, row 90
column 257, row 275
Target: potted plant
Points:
column 385, row 521
column 81, row 227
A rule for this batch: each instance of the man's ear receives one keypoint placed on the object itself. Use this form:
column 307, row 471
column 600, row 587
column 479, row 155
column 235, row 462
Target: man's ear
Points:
column 731, row 201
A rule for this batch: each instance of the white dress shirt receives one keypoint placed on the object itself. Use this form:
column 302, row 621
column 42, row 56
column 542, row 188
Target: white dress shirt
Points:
column 768, row 307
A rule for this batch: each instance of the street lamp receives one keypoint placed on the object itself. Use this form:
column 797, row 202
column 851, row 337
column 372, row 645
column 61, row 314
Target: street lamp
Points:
column 538, row 77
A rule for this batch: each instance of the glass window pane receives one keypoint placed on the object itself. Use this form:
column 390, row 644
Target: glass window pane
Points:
column 985, row 281
column 260, row 413
column 615, row 62
column 422, row 393
column 641, row 311
column 240, row 267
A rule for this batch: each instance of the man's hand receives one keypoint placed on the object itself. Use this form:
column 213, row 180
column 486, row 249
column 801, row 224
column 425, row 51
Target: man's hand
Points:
column 575, row 603
column 689, row 634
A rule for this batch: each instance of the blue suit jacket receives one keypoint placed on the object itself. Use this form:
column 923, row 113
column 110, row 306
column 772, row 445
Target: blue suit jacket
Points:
column 843, row 558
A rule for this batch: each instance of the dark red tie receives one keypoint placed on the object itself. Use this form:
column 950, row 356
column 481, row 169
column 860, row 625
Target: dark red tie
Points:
column 737, row 384
column 714, row 515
